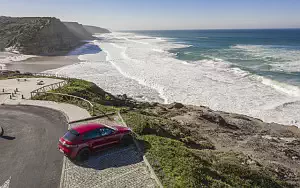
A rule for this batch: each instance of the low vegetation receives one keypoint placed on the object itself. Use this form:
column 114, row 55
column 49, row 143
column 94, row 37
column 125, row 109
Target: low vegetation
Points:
column 102, row 101
column 177, row 164
column 145, row 123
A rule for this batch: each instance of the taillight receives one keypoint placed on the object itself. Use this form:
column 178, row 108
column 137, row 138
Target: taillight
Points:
column 67, row 145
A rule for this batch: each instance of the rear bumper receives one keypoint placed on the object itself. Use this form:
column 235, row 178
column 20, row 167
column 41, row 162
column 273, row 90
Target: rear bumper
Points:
column 67, row 152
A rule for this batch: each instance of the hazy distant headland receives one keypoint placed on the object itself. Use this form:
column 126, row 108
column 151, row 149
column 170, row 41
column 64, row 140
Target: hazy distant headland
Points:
column 43, row 35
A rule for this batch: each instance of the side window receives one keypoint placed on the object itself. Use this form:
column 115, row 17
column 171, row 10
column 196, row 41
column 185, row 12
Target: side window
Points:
column 91, row 135
column 105, row 131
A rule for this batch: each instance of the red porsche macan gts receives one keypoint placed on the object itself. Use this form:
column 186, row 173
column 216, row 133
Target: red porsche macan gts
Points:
column 80, row 141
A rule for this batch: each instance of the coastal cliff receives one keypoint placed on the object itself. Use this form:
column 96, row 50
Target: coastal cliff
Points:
column 194, row 146
column 40, row 35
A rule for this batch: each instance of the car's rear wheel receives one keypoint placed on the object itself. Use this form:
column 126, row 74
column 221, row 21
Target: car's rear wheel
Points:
column 127, row 140
column 83, row 155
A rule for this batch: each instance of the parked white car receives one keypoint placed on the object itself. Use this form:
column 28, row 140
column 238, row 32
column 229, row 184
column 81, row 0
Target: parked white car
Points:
column 40, row 82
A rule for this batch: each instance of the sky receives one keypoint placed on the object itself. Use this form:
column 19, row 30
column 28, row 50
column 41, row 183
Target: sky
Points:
column 163, row 14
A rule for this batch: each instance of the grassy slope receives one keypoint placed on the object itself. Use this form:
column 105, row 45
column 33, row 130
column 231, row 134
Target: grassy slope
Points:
column 179, row 165
column 102, row 101
column 171, row 150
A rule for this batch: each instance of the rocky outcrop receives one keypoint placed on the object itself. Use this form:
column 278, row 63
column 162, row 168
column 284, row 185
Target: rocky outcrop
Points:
column 95, row 30
column 79, row 31
column 274, row 146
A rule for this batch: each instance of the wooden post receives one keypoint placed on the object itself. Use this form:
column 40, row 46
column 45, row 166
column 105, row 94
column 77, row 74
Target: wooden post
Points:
column 92, row 111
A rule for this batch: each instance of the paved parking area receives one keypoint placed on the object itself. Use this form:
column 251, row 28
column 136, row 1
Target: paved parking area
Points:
column 28, row 150
column 24, row 87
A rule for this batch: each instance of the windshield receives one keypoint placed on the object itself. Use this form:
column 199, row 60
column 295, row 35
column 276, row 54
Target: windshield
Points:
column 71, row 135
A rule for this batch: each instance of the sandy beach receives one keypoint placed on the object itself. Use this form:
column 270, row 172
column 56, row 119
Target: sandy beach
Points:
column 40, row 64
column 24, row 63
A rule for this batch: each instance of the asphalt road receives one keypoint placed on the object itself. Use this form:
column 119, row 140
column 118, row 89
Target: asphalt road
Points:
column 28, row 150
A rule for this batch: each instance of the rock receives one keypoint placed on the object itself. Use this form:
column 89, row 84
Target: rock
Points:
column 282, row 171
column 175, row 105
column 294, row 143
column 153, row 104
column 124, row 96
column 292, row 154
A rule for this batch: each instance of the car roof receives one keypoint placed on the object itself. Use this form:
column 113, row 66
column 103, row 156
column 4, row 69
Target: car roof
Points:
column 81, row 129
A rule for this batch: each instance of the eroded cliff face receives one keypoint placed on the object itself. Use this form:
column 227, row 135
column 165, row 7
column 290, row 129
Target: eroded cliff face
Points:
column 40, row 35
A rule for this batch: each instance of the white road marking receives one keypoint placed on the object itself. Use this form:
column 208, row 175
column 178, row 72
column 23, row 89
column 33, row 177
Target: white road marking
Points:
column 6, row 184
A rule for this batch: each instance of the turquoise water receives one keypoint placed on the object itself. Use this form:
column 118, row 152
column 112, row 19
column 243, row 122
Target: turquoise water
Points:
column 274, row 54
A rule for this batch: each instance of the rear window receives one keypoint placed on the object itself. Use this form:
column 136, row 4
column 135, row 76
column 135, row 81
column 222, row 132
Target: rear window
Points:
column 71, row 135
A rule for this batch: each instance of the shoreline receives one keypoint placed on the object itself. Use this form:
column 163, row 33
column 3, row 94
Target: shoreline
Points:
column 120, row 68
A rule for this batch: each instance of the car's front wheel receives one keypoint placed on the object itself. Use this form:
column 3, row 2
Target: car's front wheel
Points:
column 83, row 155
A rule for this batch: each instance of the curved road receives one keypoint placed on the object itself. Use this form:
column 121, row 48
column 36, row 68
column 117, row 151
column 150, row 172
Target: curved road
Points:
column 28, row 150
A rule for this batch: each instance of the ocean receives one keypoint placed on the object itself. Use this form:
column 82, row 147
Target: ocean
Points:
column 272, row 53
column 252, row 72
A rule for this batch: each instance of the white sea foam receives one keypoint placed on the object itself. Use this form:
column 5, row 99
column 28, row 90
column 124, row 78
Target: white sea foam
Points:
column 158, row 50
column 133, row 67
column 290, row 90
column 280, row 58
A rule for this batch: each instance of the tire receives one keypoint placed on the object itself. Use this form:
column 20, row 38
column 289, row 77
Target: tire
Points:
column 1, row 131
column 126, row 140
column 83, row 155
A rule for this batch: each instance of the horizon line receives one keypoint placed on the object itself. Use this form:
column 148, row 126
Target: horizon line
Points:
column 283, row 28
